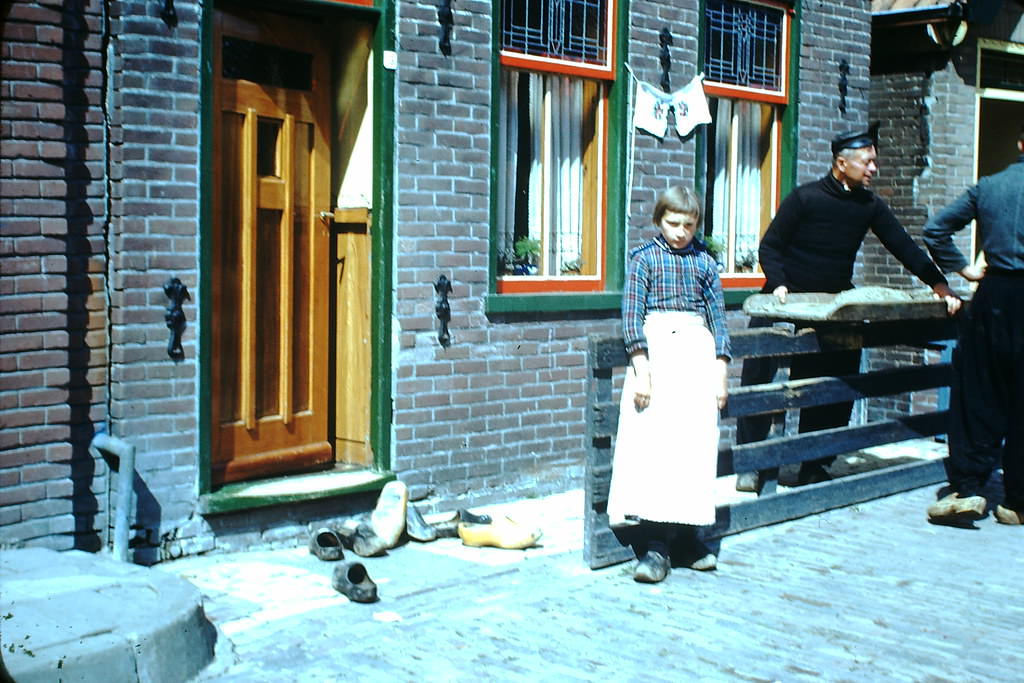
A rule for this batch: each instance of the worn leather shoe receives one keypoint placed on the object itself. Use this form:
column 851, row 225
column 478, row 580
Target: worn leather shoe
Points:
column 1005, row 515
column 416, row 527
column 749, row 482
column 707, row 563
column 362, row 540
column 473, row 518
column 812, row 473
column 501, row 533
column 952, row 510
column 653, row 567
column 326, row 545
column 352, row 580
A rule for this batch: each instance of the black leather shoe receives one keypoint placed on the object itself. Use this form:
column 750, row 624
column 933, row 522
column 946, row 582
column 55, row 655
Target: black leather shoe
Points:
column 812, row 474
column 351, row 580
column 363, row 541
column 471, row 518
column 416, row 527
column 326, row 545
column 653, row 567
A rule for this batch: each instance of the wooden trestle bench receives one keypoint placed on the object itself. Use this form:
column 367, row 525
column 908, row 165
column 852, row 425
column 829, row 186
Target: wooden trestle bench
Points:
column 602, row 548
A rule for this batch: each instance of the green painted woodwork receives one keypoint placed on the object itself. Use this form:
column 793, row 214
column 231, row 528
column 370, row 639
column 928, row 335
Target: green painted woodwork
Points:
column 615, row 202
column 381, row 285
column 240, row 496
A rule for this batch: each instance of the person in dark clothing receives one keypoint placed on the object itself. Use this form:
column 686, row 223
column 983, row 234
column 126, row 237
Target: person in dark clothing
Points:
column 811, row 246
column 987, row 392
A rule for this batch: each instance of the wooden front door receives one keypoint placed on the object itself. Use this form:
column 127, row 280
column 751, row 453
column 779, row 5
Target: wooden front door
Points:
column 271, row 247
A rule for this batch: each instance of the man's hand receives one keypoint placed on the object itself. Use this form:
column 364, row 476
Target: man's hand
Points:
column 953, row 302
column 972, row 273
column 780, row 293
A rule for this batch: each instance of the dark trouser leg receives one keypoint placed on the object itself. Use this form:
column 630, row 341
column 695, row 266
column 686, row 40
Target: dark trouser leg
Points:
column 831, row 363
column 651, row 536
column 987, row 392
column 754, row 428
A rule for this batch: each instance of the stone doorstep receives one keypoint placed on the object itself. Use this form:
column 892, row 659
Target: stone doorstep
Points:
column 81, row 616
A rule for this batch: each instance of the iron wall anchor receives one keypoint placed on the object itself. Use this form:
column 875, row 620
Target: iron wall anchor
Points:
column 175, row 317
column 443, row 309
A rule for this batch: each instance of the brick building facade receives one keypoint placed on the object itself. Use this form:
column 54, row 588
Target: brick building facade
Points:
column 114, row 175
column 935, row 140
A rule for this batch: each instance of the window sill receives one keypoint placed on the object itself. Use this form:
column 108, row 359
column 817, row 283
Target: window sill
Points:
column 293, row 489
column 736, row 296
column 556, row 302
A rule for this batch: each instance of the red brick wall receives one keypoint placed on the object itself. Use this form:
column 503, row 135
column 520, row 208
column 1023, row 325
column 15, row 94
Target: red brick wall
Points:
column 52, row 291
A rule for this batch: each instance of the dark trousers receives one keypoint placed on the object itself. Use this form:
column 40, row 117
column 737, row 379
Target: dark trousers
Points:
column 755, row 428
column 987, row 393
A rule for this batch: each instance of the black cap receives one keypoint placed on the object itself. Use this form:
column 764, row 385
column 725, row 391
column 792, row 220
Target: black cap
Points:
column 856, row 139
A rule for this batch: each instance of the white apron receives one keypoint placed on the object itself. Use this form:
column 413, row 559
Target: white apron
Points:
column 666, row 456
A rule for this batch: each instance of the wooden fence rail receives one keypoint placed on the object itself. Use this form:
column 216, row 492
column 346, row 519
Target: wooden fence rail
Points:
column 602, row 547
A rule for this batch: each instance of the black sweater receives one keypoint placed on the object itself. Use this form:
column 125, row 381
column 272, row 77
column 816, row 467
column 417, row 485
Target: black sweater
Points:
column 813, row 240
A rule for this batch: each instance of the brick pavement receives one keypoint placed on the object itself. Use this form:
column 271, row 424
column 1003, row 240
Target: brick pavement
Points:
column 866, row 593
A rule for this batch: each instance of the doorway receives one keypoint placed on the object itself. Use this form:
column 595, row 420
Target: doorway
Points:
column 291, row 355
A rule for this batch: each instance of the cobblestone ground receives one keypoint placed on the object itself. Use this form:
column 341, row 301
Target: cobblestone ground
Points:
column 867, row 593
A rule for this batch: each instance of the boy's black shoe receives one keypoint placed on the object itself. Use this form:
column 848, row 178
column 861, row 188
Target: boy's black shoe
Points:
column 653, row 567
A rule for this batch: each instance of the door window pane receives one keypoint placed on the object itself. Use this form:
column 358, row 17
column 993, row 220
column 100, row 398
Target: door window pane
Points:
column 266, row 64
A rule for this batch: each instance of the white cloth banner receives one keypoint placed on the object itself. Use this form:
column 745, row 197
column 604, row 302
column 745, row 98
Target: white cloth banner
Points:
column 691, row 106
column 651, row 107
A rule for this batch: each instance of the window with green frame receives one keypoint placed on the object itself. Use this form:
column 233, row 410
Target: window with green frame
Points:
column 557, row 63
column 746, row 67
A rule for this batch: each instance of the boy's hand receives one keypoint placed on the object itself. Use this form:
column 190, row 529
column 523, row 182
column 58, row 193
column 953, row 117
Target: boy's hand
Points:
column 642, row 397
column 722, row 393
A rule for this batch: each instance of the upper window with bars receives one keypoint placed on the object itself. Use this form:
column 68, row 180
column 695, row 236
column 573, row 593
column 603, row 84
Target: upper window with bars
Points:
column 569, row 36
column 1002, row 70
column 745, row 48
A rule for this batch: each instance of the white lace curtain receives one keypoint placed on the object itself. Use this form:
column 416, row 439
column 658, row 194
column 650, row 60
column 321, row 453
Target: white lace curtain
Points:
column 541, row 182
column 740, row 191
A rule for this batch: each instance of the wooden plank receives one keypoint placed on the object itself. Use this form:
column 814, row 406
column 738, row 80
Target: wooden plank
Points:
column 287, row 287
column 607, row 352
column 772, row 341
column 815, row 498
column 602, row 420
column 601, row 547
column 773, row 397
column 249, row 192
column 802, row 447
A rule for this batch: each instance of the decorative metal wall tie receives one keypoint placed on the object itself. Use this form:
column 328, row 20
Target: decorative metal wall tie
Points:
column 844, row 70
column 445, row 18
column 665, row 38
column 175, row 317
column 443, row 309
column 168, row 14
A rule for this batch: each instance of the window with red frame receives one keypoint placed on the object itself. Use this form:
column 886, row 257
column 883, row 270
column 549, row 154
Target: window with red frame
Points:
column 556, row 61
column 746, row 49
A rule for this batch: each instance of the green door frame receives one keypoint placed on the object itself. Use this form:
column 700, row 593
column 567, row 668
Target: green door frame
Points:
column 383, row 222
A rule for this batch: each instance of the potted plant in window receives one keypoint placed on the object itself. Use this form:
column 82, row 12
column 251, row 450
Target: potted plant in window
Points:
column 527, row 254
column 716, row 248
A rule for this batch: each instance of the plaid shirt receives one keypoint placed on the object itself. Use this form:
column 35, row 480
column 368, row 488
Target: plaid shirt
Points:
column 664, row 279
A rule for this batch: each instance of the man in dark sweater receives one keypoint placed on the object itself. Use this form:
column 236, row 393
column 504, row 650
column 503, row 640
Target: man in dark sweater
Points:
column 811, row 246
column 987, row 393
